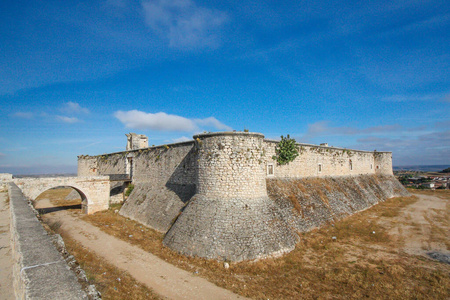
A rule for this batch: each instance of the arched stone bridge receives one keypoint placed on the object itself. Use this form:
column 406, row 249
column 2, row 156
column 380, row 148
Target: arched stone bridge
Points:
column 94, row 190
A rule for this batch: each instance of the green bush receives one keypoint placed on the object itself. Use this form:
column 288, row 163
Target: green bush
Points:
column 129, row 190
column 286, row 150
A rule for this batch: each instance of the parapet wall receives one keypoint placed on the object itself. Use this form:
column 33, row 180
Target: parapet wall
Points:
column 322, row 161
column 40, row 271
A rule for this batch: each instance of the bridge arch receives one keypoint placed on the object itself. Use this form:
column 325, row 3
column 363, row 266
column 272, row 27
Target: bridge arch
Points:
column 85, row 198
column 94, row 190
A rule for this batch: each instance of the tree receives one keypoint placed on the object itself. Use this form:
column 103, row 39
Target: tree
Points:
column 286, row 150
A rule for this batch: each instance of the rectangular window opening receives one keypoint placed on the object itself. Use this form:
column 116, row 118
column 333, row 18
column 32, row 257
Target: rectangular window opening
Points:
column 270, row 170
column 320, row 168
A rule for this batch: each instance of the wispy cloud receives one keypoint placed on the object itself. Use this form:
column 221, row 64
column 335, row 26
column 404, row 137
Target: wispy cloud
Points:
column 69, row 120
column 429, row 148
column 73, row 108
column 405, row 98
column 322, row 128
column 211, row 121
column 2, row 155
column 182, row 139
column 185, row 24
column 446, row 98
column 23, row 115
column 164, row 122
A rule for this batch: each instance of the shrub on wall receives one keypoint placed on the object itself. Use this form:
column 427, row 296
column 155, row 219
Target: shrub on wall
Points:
column 286, row 150
column 129, row 190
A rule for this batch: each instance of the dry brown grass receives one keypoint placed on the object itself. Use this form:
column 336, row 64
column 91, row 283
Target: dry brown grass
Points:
column 57, row 197
column 351, row 258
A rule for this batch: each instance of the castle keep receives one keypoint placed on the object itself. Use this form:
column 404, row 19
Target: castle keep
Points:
column 222, row 196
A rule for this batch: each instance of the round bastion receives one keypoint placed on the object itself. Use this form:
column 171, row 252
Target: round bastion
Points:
column 230, row 217
column 230, row 165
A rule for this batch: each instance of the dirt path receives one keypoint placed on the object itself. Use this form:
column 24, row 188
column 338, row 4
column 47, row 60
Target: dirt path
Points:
column 423, row 226
column 6, row 261
column 162, row 277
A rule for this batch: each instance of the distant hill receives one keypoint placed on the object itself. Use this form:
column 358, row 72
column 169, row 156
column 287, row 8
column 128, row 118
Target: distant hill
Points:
column 424, row 168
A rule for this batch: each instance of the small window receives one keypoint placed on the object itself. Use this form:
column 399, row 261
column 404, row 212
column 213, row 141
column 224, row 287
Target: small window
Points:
column 351, row 165
column 320, row 168
column 270, row 170
column 371, row 166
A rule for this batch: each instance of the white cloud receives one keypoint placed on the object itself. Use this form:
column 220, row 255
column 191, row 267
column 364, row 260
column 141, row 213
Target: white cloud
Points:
column 164, row 122
column 183, row 23
column 159, row 121
column 74, row 108
column 24, row 115
column 182, row 139
column 211, row 121
column 69, row 120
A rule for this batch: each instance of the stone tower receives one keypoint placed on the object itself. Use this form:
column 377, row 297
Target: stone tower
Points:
column 230, row 217
column 136, row 141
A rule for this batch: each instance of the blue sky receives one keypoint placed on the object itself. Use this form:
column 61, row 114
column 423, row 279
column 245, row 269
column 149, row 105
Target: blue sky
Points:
column 75, row 76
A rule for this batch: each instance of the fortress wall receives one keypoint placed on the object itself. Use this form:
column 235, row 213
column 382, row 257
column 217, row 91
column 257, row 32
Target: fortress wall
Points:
column 383, row 163
column 87, row 165
column 164, row 179
column 210, row 195
column 333, row 161
column 106, row 164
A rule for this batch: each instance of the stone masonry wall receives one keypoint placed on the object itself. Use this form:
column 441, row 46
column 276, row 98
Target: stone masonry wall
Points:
column 383, row 163
column 40, row 271
column 164, row 179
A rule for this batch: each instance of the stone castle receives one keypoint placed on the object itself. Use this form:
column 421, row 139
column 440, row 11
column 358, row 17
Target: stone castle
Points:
column 223, row 196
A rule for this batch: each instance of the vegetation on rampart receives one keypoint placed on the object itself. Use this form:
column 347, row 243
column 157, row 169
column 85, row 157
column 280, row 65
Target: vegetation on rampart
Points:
column 286, row 150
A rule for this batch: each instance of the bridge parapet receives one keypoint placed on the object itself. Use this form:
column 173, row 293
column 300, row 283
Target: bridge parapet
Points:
column 94, row 190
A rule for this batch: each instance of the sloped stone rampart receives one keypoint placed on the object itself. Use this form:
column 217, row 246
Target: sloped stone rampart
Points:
column 156, row 206
column 234, row 230
column 164, row 182
column 40, row 271
column 310, row 202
